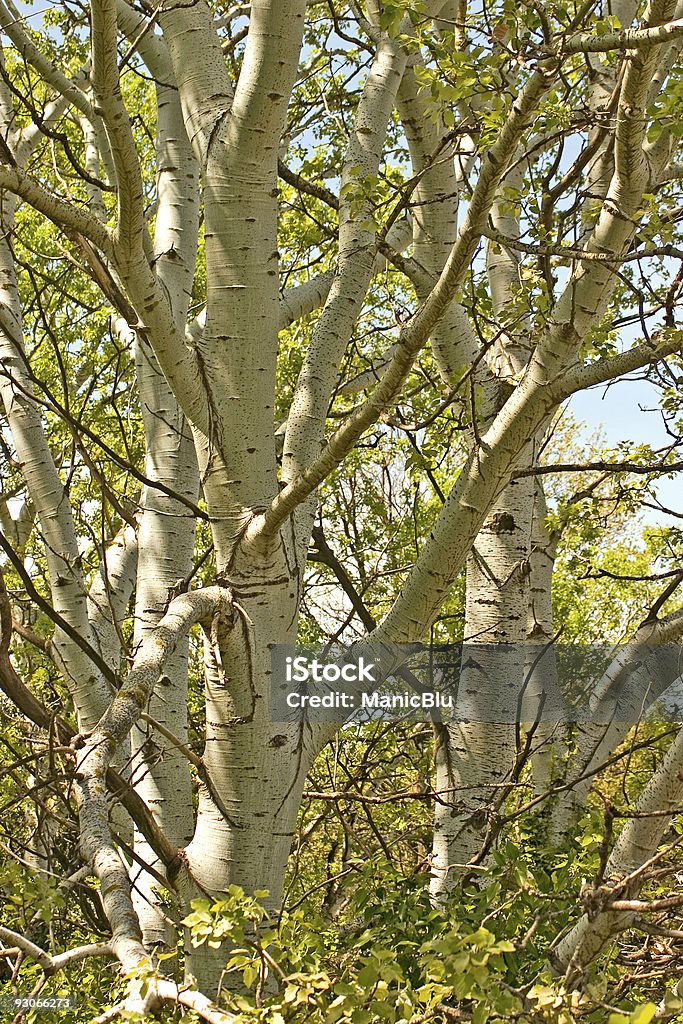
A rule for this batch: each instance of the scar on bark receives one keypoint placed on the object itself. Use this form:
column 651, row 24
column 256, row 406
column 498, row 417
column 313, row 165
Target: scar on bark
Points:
column 442, row 743
column 501, row 522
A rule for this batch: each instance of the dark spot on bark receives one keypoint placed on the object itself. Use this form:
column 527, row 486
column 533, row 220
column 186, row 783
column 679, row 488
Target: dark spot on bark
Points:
column 150, row 749
column 175, row 866
column 277, row 741
column 502, row 522
column 478, row 819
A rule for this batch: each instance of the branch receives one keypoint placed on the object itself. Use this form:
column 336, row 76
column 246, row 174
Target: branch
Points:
column 40, row 128
column 628, row 39
column 99, row 747
column 152, row 48
column 326, row 556
column 600, row 466
column 570, row 254
column 65, row 215
column 45, row 68
column 587, row 293
column 310, row 188
column 577, row 378
column 167, row 991
column 200, row 70
column 306, row 420
column 105, row 76
column 77, row 428
column 51, row 963
column 631, row 166
column 301, row 300
column 29, row 705
column 269, row 65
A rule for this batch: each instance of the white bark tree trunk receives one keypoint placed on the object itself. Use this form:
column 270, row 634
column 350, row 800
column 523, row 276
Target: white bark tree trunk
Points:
column 91, row 693
column 167, row 526
column 255, row 769
column 475, row 757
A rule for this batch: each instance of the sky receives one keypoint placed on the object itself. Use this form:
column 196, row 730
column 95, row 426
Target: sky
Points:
column 629, row 411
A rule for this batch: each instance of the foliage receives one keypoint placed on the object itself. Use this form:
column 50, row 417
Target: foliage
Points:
column 358, row 940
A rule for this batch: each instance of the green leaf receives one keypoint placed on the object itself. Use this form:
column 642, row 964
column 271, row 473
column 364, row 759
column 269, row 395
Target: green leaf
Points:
column 643, row 1014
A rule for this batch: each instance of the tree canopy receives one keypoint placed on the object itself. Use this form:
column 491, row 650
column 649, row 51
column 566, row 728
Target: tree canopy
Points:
column 294, row 298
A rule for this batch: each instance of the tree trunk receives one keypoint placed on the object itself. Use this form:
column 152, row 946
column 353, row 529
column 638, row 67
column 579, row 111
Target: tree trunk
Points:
column 475, row 757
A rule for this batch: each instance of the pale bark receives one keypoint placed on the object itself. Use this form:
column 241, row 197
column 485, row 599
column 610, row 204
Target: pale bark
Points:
column 629, row 39
column 48, row 495
column 219, row 378
column 475, row 757
column 109, row 594
column 213, row 607
column 238, row 346
column 200, row 73
column 306, row 422
column 17, row 528
column 61, row 212
column 250, row 762
column 160, row 771
column 305, row 433
column 435, row 221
